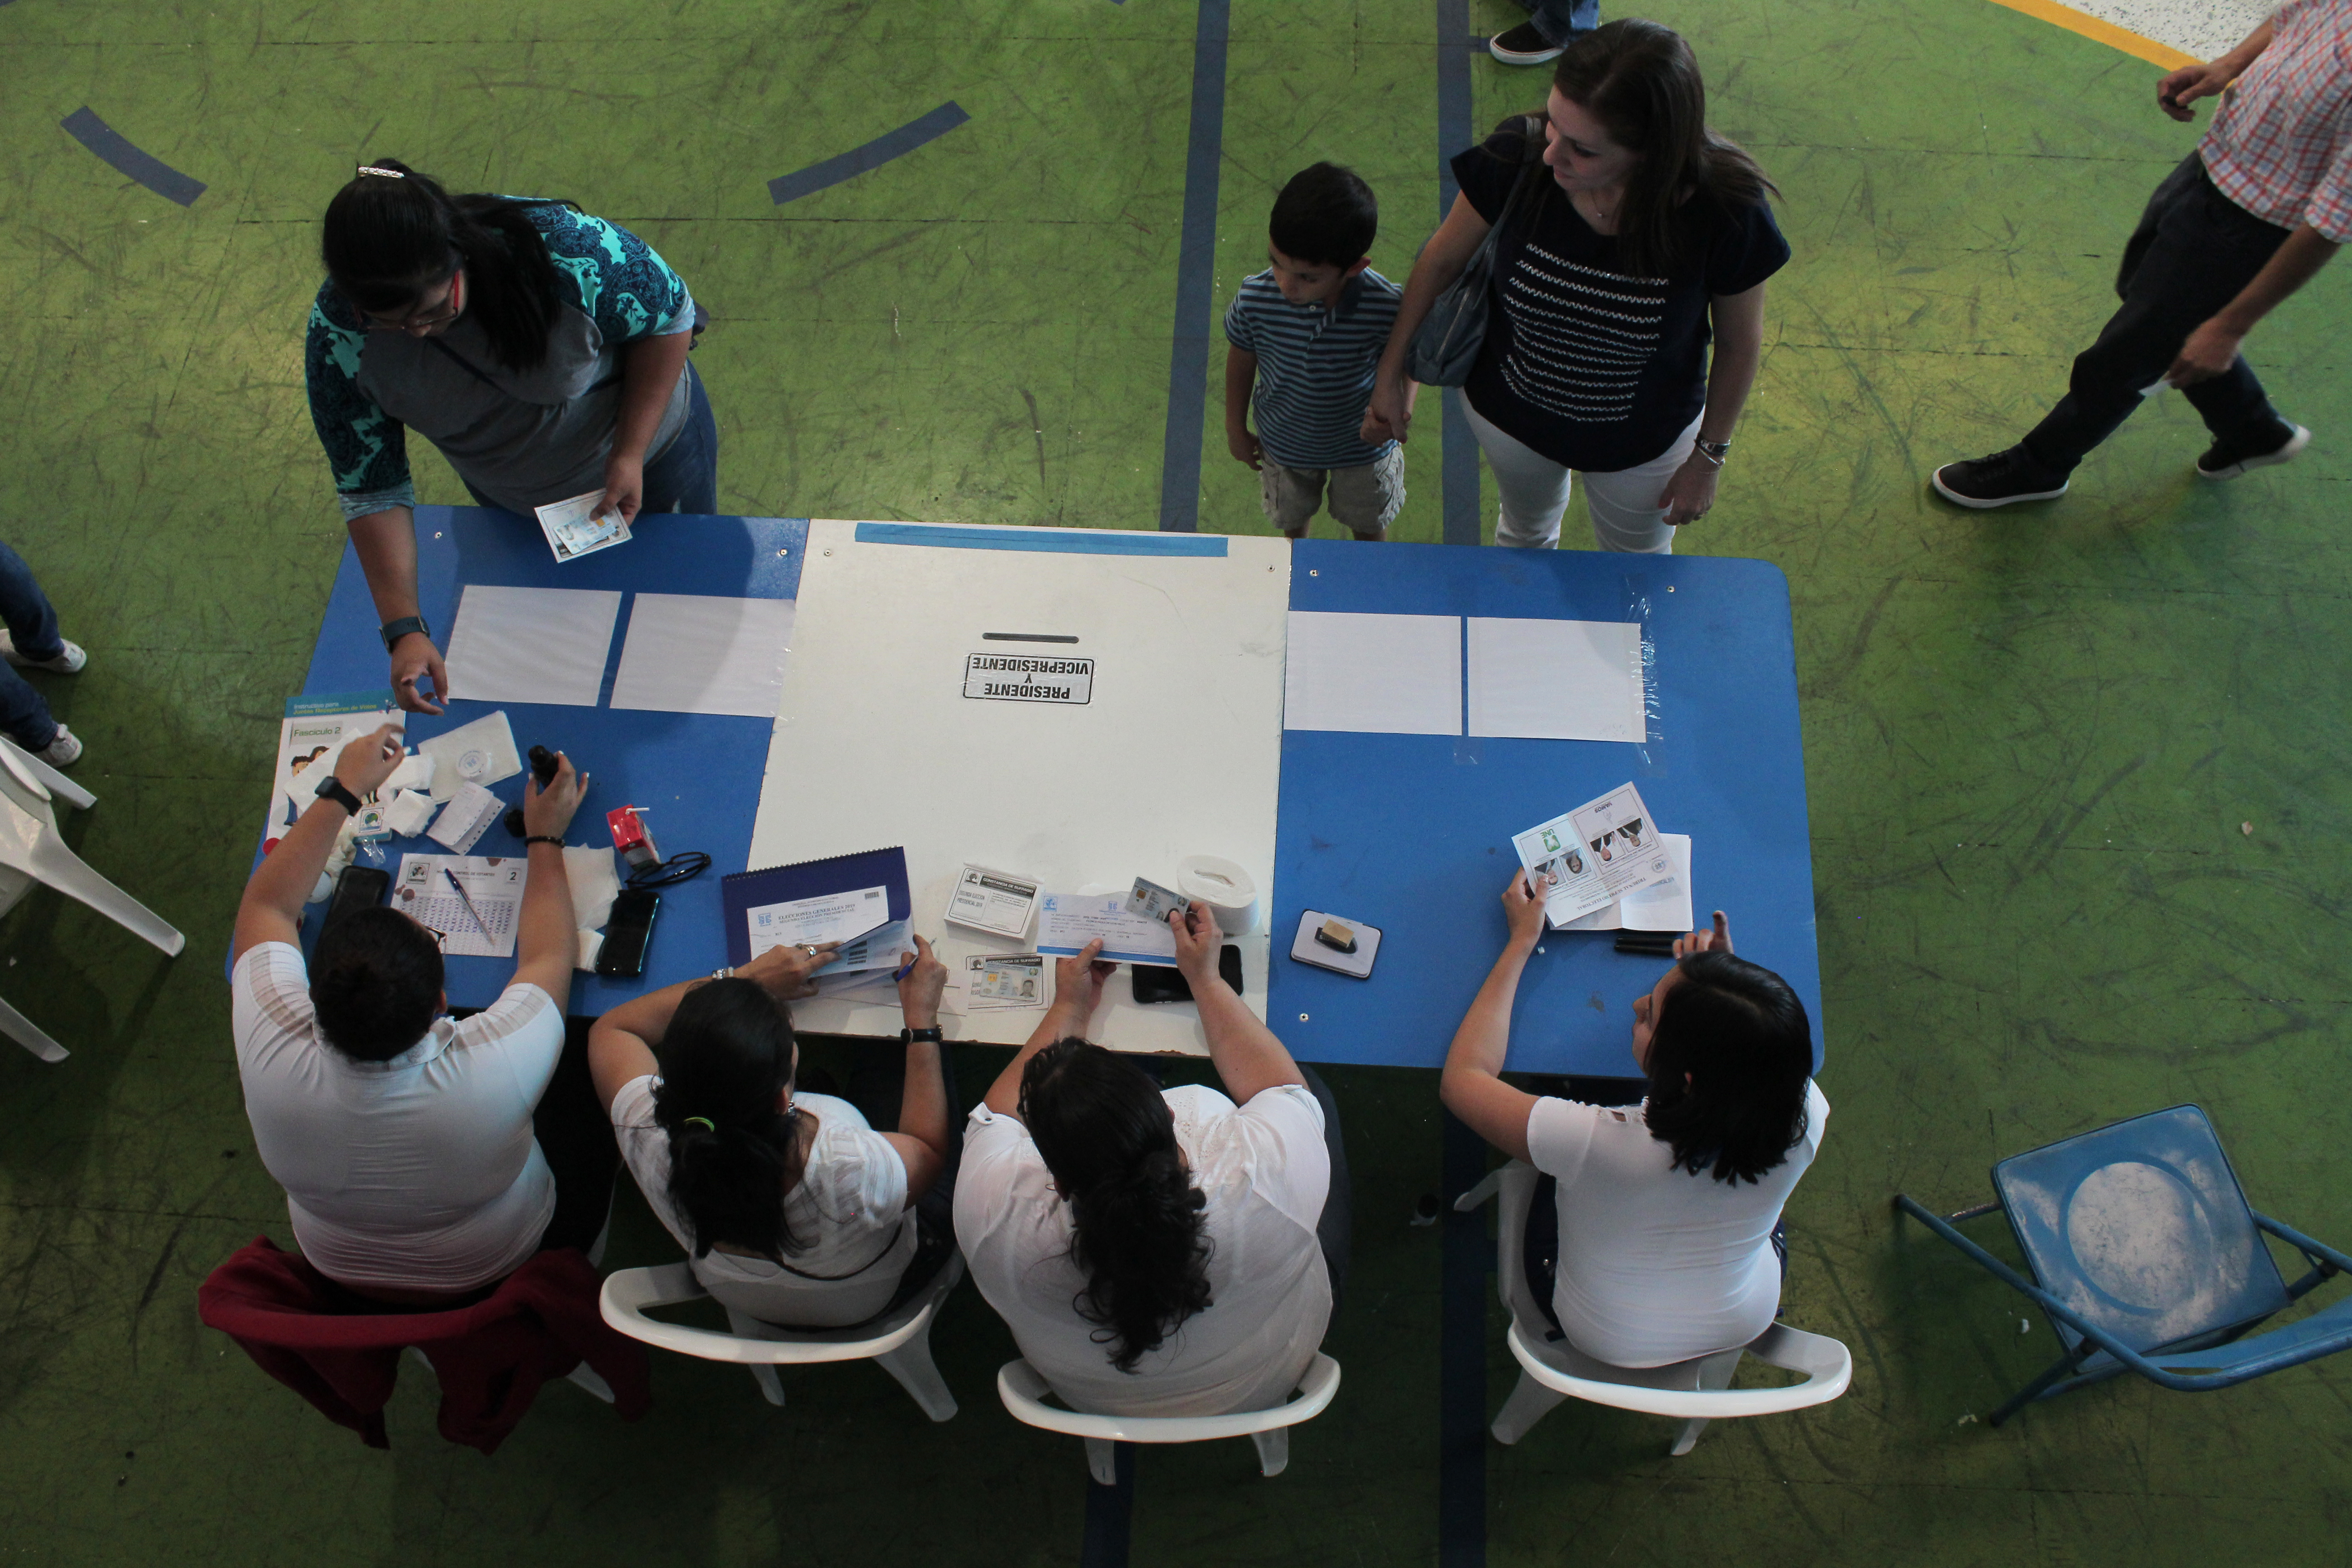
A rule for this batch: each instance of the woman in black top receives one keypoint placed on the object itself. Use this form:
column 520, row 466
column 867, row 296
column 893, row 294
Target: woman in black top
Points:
column 1650, row 238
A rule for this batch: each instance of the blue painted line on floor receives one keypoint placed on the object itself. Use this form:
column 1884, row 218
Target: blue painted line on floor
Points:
column 1110, row 1514
column 1196, row 256
column 873, row 155
column 1458, row 461
column 1469, row 1260
column 84, row 127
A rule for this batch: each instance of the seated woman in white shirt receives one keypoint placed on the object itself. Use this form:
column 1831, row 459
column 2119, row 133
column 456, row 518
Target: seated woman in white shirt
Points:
column 1668, row 1211
column 792, row 1207
column 423, row 1157
column 1156, row 1254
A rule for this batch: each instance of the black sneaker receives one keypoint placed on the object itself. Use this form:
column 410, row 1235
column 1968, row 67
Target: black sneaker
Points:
column 1523, row 46
column 2015, row 475
column 2223, row 461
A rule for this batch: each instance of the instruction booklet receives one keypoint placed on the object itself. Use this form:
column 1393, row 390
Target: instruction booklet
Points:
column 1596, row 853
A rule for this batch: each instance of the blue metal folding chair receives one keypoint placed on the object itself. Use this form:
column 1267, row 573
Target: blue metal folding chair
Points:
column 2146, row 1258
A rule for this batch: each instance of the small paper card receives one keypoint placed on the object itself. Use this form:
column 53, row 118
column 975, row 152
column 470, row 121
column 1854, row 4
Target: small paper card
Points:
column 465, row 819
column 993, row 900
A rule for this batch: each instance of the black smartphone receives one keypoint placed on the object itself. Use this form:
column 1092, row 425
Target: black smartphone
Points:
column 358, row 887
column 626, row 933
column 1166, row 983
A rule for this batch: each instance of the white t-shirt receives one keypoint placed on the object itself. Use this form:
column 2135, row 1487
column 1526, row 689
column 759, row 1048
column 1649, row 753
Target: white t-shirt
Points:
column 1265, row 1170
column 420, row 1172
column 1656, row 1264
column 849, row 1207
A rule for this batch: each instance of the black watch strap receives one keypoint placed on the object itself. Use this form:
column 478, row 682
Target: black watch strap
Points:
column 932, row 1036
column 392, row 631
column 553, row 838
column 332, row 788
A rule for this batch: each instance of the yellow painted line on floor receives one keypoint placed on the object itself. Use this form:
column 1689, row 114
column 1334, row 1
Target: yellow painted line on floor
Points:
column 2103, row 32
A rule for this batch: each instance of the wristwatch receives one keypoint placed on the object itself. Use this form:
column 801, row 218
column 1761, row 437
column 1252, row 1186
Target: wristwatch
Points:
column 1712, row 450
column 332, row 788
column 392, row 631
column 932, row 1036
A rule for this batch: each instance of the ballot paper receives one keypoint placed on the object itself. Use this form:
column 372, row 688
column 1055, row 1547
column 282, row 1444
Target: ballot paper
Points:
column 1392, row 675
column 1662, row 906
column 993, row 900
column 532, row 644
column 493, row 889
column 573, row 529
column 829, row 917
column 1001, row 983
column 1067, row 921
column 1556, row 681
column 695, row 653
column 1596, row 853
column 465, row 819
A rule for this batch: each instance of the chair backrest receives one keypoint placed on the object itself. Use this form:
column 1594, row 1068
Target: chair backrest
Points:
column 2142, row 1228
column 631, row 1294
column 1670, row 1390
column 1024, row 1390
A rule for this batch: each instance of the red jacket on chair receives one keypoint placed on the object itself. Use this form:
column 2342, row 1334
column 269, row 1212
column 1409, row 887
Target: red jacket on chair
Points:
column 343, row 1354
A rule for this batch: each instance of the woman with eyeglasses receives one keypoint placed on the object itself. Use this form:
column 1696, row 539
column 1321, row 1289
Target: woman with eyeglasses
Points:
column 540, row 349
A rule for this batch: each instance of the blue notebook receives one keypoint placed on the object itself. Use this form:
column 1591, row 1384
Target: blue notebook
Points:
column 747, row 890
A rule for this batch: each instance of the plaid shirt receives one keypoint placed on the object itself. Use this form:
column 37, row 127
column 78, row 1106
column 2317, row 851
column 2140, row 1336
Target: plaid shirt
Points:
column 2281, row 143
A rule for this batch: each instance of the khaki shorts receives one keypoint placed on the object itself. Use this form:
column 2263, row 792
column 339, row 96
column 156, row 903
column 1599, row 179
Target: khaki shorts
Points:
column 1364, row 499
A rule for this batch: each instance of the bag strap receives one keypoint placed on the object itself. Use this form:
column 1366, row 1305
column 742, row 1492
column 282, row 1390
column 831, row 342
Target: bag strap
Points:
column 1530, row 161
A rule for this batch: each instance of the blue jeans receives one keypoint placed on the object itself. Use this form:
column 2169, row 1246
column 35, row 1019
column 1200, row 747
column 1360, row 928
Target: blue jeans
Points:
column 33, row 627
column 685, row 477
column 1563, row 21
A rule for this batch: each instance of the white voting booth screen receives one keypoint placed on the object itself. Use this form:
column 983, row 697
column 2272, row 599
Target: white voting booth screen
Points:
column 1156, row 735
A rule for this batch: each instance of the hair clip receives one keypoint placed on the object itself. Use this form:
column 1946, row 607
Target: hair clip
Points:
column 387, row 174
column 708, row 1125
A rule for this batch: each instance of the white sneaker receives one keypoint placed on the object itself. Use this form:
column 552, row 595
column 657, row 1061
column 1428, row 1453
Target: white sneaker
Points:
column 63, row 751
column 69, row 660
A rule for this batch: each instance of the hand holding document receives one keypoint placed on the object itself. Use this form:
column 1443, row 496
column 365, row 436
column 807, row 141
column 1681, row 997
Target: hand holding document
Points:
column 1660, row 907
column 575, row 527
column 1597, row 854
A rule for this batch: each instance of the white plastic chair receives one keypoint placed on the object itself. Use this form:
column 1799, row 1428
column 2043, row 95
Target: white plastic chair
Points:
column 901, row 1343
column 1024, row 1390
column 32, row 850
column 1696, row 1391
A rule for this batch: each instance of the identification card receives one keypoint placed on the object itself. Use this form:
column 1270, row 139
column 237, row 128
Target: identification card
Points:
column 1154, row 902
column 1003, row 982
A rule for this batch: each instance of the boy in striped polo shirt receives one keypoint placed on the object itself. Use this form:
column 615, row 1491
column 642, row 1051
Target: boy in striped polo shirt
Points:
column 1308, row 332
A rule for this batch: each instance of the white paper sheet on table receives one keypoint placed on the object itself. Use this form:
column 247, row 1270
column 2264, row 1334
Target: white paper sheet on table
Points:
column 1556, row 680
column 695, row 653
column 1390, row 675
column 531, row 645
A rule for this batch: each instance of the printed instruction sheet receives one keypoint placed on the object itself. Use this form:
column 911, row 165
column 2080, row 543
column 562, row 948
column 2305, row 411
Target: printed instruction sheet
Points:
column 531, row 645
column 1660, row 907
column 1596, row 853
column 696, row 653
column 1556, row 681
column 1390, row 675
column 475, row 901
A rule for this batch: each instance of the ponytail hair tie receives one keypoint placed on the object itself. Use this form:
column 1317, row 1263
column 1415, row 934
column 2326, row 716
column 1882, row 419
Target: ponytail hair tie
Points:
column 703, row 1122
column 386, row 174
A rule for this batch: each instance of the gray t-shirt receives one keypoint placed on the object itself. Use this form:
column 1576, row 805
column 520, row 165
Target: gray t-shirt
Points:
column 522, row 438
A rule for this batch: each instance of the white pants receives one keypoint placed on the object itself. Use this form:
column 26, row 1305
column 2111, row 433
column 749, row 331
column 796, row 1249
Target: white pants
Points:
column 1625, row 504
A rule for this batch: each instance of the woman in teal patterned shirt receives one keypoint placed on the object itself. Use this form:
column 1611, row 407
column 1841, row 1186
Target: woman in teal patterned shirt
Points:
column 543, row 351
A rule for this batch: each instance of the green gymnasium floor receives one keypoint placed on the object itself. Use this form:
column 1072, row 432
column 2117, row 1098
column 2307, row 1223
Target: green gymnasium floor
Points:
column 2034, row 738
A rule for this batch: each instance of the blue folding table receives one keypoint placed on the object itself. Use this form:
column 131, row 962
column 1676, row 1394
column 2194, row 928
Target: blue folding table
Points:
column 1411, row 833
